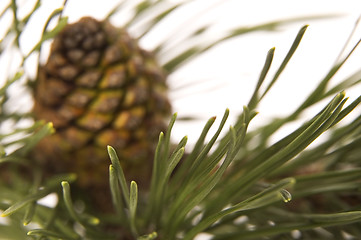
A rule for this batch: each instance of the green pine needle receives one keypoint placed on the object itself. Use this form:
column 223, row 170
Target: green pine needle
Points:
column 290, row 186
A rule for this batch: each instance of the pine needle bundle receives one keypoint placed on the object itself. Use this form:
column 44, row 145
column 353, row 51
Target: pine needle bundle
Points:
column 100, row 142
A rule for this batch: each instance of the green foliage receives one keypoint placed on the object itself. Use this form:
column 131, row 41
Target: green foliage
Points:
column 228, row 186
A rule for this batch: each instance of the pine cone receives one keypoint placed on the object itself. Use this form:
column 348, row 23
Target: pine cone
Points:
column 100, row 88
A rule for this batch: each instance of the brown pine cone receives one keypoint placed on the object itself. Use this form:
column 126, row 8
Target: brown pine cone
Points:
column 100, row 88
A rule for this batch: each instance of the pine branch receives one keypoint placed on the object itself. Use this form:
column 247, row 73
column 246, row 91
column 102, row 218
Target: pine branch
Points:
column 227, row 187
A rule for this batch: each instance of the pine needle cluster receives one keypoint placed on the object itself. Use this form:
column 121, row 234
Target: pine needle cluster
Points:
column 236, row 185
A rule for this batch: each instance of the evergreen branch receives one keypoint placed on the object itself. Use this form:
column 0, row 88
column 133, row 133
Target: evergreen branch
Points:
column 267, row 65
column 119, row 173
column 88, row 222
column 271, row 163
column 195, row 50
column 116, row 194
column 30, row 210
column 185, row 166
column 49, row 34
column 262, row 199
column 204, row 189
column 288, row 57
column 6, row 8
column 133, row 202
column 16, row 25
column 4, row 90
column 48, row 233
column 320, row 91
column 35, row 7
column 25, row 201
column 307, row 222
column 147, row 11
column 30, row 142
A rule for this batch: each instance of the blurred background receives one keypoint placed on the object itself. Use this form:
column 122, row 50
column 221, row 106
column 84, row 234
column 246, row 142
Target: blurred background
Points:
column 224, row 76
